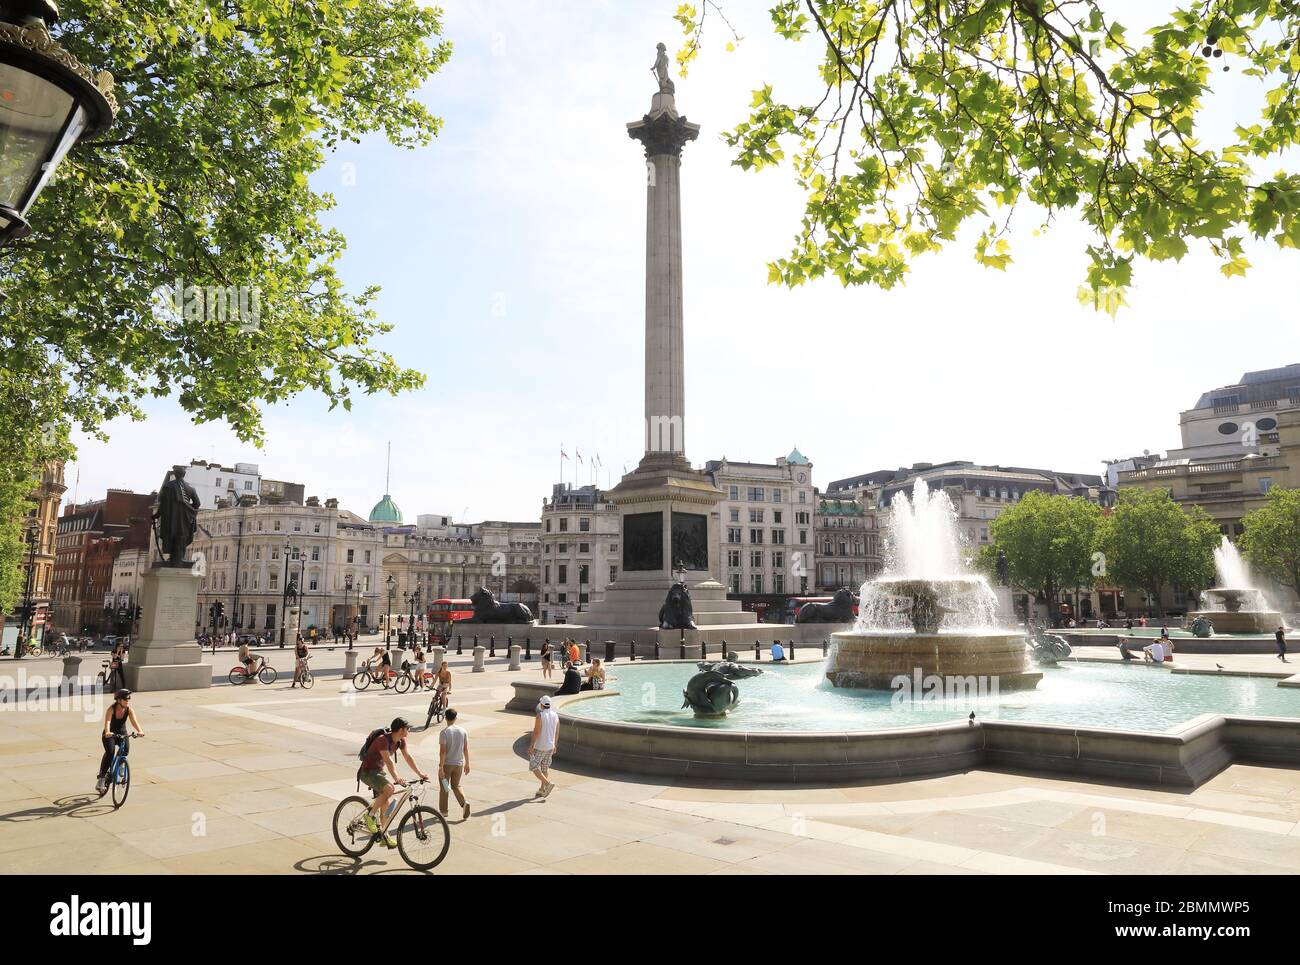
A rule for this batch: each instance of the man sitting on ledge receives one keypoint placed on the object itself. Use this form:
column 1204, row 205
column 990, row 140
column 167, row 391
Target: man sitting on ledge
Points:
column 778, row 653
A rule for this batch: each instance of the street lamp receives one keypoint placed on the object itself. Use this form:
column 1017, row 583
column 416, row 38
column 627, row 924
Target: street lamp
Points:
column 48, row 102
column 284, row 596
column 413, row 598
column 33, row 537
column 388, row 619
column 347, row 588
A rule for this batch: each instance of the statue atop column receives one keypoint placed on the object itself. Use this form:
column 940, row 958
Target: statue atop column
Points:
column 176, row 517
column 660, row 69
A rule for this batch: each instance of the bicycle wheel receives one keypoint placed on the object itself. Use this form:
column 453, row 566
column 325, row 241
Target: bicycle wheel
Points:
column 307, row 679
column 403, row 683
column 350, row 832
column 361, row 681
column 423, row 838
column 267, row 675
column 121, row 783
column 36, row 651
column 237, row 676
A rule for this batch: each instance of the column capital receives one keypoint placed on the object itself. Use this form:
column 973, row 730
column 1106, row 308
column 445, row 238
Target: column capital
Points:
column 663, row 132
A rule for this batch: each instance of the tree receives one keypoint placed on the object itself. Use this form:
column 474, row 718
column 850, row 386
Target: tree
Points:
column 1149, row 542
column 1271, row 540
column 934, row 113
column 1049, row 541
column 182, row 252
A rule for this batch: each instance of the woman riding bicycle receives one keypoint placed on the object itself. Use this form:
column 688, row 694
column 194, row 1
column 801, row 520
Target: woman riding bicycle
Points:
column 300, row 662
column 118, row 715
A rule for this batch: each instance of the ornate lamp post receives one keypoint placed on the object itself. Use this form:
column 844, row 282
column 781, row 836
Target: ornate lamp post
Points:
column 413, row 598
column 347, row 588
column 33, row 537
column 284, row 596
column 48, row 102
column 388, row 618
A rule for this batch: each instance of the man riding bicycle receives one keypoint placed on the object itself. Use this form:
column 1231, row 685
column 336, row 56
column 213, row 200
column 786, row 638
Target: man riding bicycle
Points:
column 379, row 758
column 250, row 661
column 118, row 715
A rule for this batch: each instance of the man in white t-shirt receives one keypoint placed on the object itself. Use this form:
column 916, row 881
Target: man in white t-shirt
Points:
column 1155, row 652
column 541, row 747
column 453, row 761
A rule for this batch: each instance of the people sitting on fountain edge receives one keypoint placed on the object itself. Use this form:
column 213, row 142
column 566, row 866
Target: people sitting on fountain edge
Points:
column 1157, row 652
column 572, row 683
column 1124, row 651
column 778, row 653
column 595, row 675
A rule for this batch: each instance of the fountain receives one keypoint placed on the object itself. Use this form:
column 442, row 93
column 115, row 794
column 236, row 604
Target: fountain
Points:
column 1236, row 605
column 926, row 616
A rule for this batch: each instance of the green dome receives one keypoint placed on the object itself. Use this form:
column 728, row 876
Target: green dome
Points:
column 386, row 511
column 797, row 458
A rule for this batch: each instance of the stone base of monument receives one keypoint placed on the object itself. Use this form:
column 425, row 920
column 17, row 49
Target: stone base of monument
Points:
column 165, row 656
column 707, row 641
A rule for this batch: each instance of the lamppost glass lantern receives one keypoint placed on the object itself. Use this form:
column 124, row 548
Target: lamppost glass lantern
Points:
column 48, row 101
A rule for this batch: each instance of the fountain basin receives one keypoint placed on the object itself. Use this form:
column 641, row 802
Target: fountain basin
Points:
column 879, row 660
column 1231, row 612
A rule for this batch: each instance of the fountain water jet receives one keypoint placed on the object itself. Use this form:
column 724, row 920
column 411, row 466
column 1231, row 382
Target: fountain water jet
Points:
column 926, row 614
column 1236, row 605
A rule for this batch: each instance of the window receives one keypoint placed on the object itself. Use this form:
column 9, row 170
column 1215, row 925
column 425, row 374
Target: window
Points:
column 297, row 526
column 563, row 573
column 776, row 515
column 803, row 496
column 778, row 536
column 367, row 558
column 277, row 526
column 735, row 515
column 613, row 574
column 756, row 583
column 313, row 582
column 733, row 558
column 564, row 524
column 546, row 574
column 756, row 536
column 350, row 553
column 733, row 534
column 562, row 598
column 218, row 482
column 756, row 494
column 735, row 582
column 801, row 518
column 733, row 492
column 778, row 562
column 562, row 548
column 548, row 526
column 584, row 547
column 756, row 559
column 803, row 536
column 274, row 583
column 582, row 574
column 756, row 515
column 778, row 583
column 1265, row 484
column 248, row 486
column 776, row 495
column 584, row 524
column 315, row 554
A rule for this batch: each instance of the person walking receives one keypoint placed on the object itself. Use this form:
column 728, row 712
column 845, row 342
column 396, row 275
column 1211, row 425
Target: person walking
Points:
column 541, row 746
column 1280, row 636
column 453, row 763
column 548, row 667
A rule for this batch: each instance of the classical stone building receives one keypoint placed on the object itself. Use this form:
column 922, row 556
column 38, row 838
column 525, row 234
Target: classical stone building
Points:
column 255, row 550
column 216, row 483
column 767, row 546
column 39, row 552
column 849, row 547
column 449, row 560
column 580, row 551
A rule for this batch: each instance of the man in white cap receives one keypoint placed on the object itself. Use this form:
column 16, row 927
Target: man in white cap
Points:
column 541, row 747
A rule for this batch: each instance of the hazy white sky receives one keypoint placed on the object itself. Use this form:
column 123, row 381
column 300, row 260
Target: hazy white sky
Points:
column 511, row 257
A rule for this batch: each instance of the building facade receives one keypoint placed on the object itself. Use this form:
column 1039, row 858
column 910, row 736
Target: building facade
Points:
column 259, row 554
column 580, row 551
column 38, row 557
column 86, row 544
column 849, row 546
column 767, row 528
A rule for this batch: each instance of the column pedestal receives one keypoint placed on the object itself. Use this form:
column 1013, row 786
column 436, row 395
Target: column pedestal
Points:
column 165, row 655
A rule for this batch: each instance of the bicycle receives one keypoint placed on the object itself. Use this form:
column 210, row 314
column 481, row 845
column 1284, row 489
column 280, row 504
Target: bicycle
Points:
column 265, row 673
column 423, row 837
column 437, row 707
column 119, row 772
column 33, row 650
column 110, row 677
column 366, row 676
column 304, row 676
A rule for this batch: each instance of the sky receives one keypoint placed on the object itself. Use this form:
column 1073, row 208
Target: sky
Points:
column 510, row 252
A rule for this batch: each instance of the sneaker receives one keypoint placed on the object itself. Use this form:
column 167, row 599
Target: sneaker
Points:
column 390, row 841
column 546, row 791
column 101, row 785
column 371, row 824
column 465, row 814
column 541, row 792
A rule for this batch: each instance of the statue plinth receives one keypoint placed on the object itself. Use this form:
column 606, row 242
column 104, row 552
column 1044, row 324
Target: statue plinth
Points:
column 165, row 655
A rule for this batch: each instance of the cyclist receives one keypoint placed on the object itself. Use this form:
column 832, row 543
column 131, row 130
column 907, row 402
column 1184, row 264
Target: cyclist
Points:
column 378, row 758
column 118, row 715
column 247, row 658
column 300, row 661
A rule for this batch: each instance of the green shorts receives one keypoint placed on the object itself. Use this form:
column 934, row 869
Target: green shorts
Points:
column 375, row 780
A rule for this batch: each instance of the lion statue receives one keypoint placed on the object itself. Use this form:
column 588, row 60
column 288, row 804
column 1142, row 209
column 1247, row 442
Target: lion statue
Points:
column 677, row 613
column 839, row 610
column 488, row 610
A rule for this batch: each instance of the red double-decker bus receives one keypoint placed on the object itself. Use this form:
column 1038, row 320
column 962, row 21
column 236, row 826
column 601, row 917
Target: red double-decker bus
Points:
column 443, row 614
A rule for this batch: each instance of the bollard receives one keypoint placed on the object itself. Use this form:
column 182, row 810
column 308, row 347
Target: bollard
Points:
column 825, row 647
column 478, row 659
column 528, row 648
column 683, row 649
column 609, row 651
column 632, row 649
column 789, row 645
column 458, row 649
column 439, row 654
column 71, row 671
column 757, row 656
column 656, row 648
column 514, row 657
column 349, row 665
column 493, row 640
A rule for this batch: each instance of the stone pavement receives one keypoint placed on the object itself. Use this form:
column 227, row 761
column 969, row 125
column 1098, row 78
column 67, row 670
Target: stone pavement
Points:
column 245, row 780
